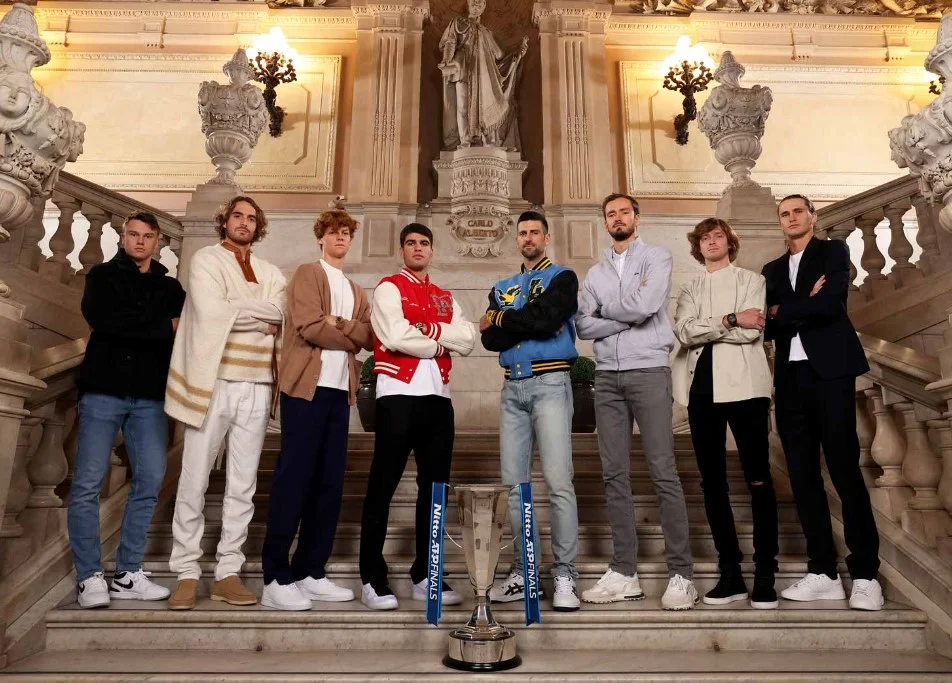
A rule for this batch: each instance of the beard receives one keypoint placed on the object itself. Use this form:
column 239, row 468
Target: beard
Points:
column 531, row 252
column 240, row 240
column 620, row 233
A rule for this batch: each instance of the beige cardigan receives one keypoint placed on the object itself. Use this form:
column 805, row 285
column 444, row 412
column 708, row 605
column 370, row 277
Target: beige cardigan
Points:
column 739, row 363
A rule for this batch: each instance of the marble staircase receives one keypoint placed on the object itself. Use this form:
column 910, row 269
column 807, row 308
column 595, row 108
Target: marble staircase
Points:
column 633, row 641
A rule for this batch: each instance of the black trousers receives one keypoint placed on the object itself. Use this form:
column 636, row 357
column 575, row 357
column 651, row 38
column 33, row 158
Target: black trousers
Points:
column 748, row 421
column 424, row 425
column 814, row 412
column 308, row 485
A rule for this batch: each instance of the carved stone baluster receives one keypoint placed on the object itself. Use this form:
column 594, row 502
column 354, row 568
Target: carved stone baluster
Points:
column 57, row 267
column 887, row 450
column 872, row 259
column 91, row 253
column 48, row 467
column 920, row 467
column 943, row 432
column 840, row 232
column 900, row 250
column 19, row 493
column 33, row 233
column 865, row 431
column 927, row 237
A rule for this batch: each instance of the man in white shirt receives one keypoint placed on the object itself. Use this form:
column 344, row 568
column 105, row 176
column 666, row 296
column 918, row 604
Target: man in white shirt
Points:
column 416, row 324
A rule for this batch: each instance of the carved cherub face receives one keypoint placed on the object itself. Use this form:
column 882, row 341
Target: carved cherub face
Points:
column 15, row 91
column 476, row 8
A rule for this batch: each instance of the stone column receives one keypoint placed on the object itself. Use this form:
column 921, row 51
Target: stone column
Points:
column 887, row 450
column 382, row 186
column 575, row 126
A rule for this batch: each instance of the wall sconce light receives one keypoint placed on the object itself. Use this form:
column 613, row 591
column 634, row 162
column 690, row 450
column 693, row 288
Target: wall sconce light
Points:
column 688, row 72
column 272, row 60
column 935, row 87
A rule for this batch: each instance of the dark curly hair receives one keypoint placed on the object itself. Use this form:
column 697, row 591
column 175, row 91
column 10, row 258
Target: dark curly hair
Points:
column 261, row 223
column 706, row 226
column 334, row 220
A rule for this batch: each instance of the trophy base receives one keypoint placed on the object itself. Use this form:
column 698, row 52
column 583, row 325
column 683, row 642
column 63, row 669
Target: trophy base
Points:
column 482, row 655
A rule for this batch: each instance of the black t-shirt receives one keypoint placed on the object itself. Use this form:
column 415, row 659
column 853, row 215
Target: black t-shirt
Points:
column 703, row 382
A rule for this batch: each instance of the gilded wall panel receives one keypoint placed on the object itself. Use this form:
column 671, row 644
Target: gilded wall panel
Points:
column 145, row 131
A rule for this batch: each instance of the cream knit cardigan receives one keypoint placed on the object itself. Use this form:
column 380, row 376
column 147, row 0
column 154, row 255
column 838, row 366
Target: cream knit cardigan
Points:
column 224, row 323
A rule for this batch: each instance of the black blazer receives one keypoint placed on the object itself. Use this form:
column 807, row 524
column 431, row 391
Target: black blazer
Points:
column 828, row 336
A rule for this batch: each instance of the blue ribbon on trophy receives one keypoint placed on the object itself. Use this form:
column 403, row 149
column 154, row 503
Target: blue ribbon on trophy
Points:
column 434, row 575
column 530, row 555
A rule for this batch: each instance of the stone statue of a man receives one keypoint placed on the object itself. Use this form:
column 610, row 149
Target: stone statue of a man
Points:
column 479, row 81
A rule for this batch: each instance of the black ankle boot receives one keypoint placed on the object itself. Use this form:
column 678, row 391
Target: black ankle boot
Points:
column 764, row 595
column 730, row 588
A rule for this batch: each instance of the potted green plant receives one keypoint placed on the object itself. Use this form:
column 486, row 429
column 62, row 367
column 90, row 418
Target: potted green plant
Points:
column 583, row 394
column 367, row 395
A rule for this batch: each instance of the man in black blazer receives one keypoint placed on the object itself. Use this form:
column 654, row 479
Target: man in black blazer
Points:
column 818, row 358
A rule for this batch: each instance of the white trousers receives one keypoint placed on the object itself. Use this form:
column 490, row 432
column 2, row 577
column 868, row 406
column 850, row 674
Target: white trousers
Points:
column 238, row 410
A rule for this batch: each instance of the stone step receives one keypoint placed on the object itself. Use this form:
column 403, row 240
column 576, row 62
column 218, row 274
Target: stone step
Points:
column 652, row 573
column 594, row 539
column 641, row 625
column 575, row 666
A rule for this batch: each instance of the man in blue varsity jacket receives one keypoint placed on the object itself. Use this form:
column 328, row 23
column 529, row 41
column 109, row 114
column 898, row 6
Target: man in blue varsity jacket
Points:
column 531, row 322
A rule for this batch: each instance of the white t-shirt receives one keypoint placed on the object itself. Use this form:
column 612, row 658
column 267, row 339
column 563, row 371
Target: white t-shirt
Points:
column 618, row 260
column 797, row 352
column 426, row 381
column 334, row 371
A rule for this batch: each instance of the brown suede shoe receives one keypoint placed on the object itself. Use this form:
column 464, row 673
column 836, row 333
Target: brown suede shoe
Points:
column 233, row 591
column 183, row 597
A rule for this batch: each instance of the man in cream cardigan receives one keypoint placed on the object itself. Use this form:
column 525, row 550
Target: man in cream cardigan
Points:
column 220, row 385
column 721, row 374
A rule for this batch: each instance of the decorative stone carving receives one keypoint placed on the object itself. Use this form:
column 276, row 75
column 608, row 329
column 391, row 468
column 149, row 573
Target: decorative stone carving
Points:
column 279, row 4
column 233, row 117
column 733, row 118
column 479, row 79
column 480, row 229
column 902, row 8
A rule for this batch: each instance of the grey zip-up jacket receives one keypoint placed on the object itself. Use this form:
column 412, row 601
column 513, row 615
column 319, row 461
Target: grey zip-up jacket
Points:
column 627, row 315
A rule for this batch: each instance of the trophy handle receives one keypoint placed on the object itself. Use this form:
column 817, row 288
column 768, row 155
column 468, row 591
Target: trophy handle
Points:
column 453, row 541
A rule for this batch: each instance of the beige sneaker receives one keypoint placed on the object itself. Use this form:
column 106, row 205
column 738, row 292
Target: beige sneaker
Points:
column 233, row 591
column 183, row 597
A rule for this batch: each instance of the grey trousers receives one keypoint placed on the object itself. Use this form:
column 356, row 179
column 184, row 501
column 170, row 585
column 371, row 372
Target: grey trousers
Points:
column 643, row 395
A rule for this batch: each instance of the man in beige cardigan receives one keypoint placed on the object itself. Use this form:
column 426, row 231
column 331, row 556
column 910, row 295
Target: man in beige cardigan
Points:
column 220, row 386
column 328, row 321
column 721, row 374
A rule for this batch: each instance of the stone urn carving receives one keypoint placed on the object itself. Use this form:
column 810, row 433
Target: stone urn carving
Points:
column 923, row 141
column 733, row 119
column 37, row 138
column 233, row 117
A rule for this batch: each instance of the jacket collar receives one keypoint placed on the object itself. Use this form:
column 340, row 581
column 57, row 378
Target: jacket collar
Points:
column 635, row 246
column 541, row 265
column 413, row 277
column 125, row 262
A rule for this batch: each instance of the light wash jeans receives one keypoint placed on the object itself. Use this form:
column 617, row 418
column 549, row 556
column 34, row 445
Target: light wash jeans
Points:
column 539, row 410
column 145, row 431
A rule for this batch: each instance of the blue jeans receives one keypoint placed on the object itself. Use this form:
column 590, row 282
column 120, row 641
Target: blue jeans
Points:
column 145, row 431
column 539, row 410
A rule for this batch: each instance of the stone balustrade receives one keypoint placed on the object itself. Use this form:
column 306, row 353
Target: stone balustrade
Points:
column 99, row 207
column 894, row 203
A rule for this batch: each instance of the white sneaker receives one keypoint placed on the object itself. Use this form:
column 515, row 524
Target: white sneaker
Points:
column 136, row 586
column 510, row 590
column 373, row 600
column 867, row 594
column 815, row 587
column 93, row 592
column 566, row 597
column 323, row 590
column 287, row 597
column 614, row 587
column 680, row 594
column 450, row 597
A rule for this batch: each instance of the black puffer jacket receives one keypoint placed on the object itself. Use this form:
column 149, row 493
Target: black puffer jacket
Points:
column 130, row 314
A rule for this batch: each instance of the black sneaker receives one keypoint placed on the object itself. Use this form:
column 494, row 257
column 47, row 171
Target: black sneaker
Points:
column 764, row 596
column 730, row 588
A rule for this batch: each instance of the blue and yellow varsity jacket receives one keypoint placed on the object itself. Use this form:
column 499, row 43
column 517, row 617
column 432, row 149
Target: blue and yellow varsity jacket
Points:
column 533, row 320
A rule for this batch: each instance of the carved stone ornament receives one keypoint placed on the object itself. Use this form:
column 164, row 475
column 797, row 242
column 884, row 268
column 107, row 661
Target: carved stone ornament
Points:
column 233, row 117
column 480, row 230
column 280, row 4
column 923, row 141
column 37, row 138
column 901, row 8
column 733, row 118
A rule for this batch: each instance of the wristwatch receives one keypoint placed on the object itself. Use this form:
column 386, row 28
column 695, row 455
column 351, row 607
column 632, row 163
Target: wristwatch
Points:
column 731, row 320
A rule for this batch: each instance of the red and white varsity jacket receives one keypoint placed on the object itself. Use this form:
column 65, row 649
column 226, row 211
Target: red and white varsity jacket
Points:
column 414, row 319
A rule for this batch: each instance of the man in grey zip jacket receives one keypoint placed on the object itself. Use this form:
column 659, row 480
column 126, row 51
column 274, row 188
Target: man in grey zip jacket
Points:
column 624, row 308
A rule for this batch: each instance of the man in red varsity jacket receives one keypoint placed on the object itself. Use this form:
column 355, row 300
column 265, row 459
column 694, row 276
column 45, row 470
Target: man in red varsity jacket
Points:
column 417, row 325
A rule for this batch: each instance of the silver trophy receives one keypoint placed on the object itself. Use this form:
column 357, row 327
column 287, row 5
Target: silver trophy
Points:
column 482, row 644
